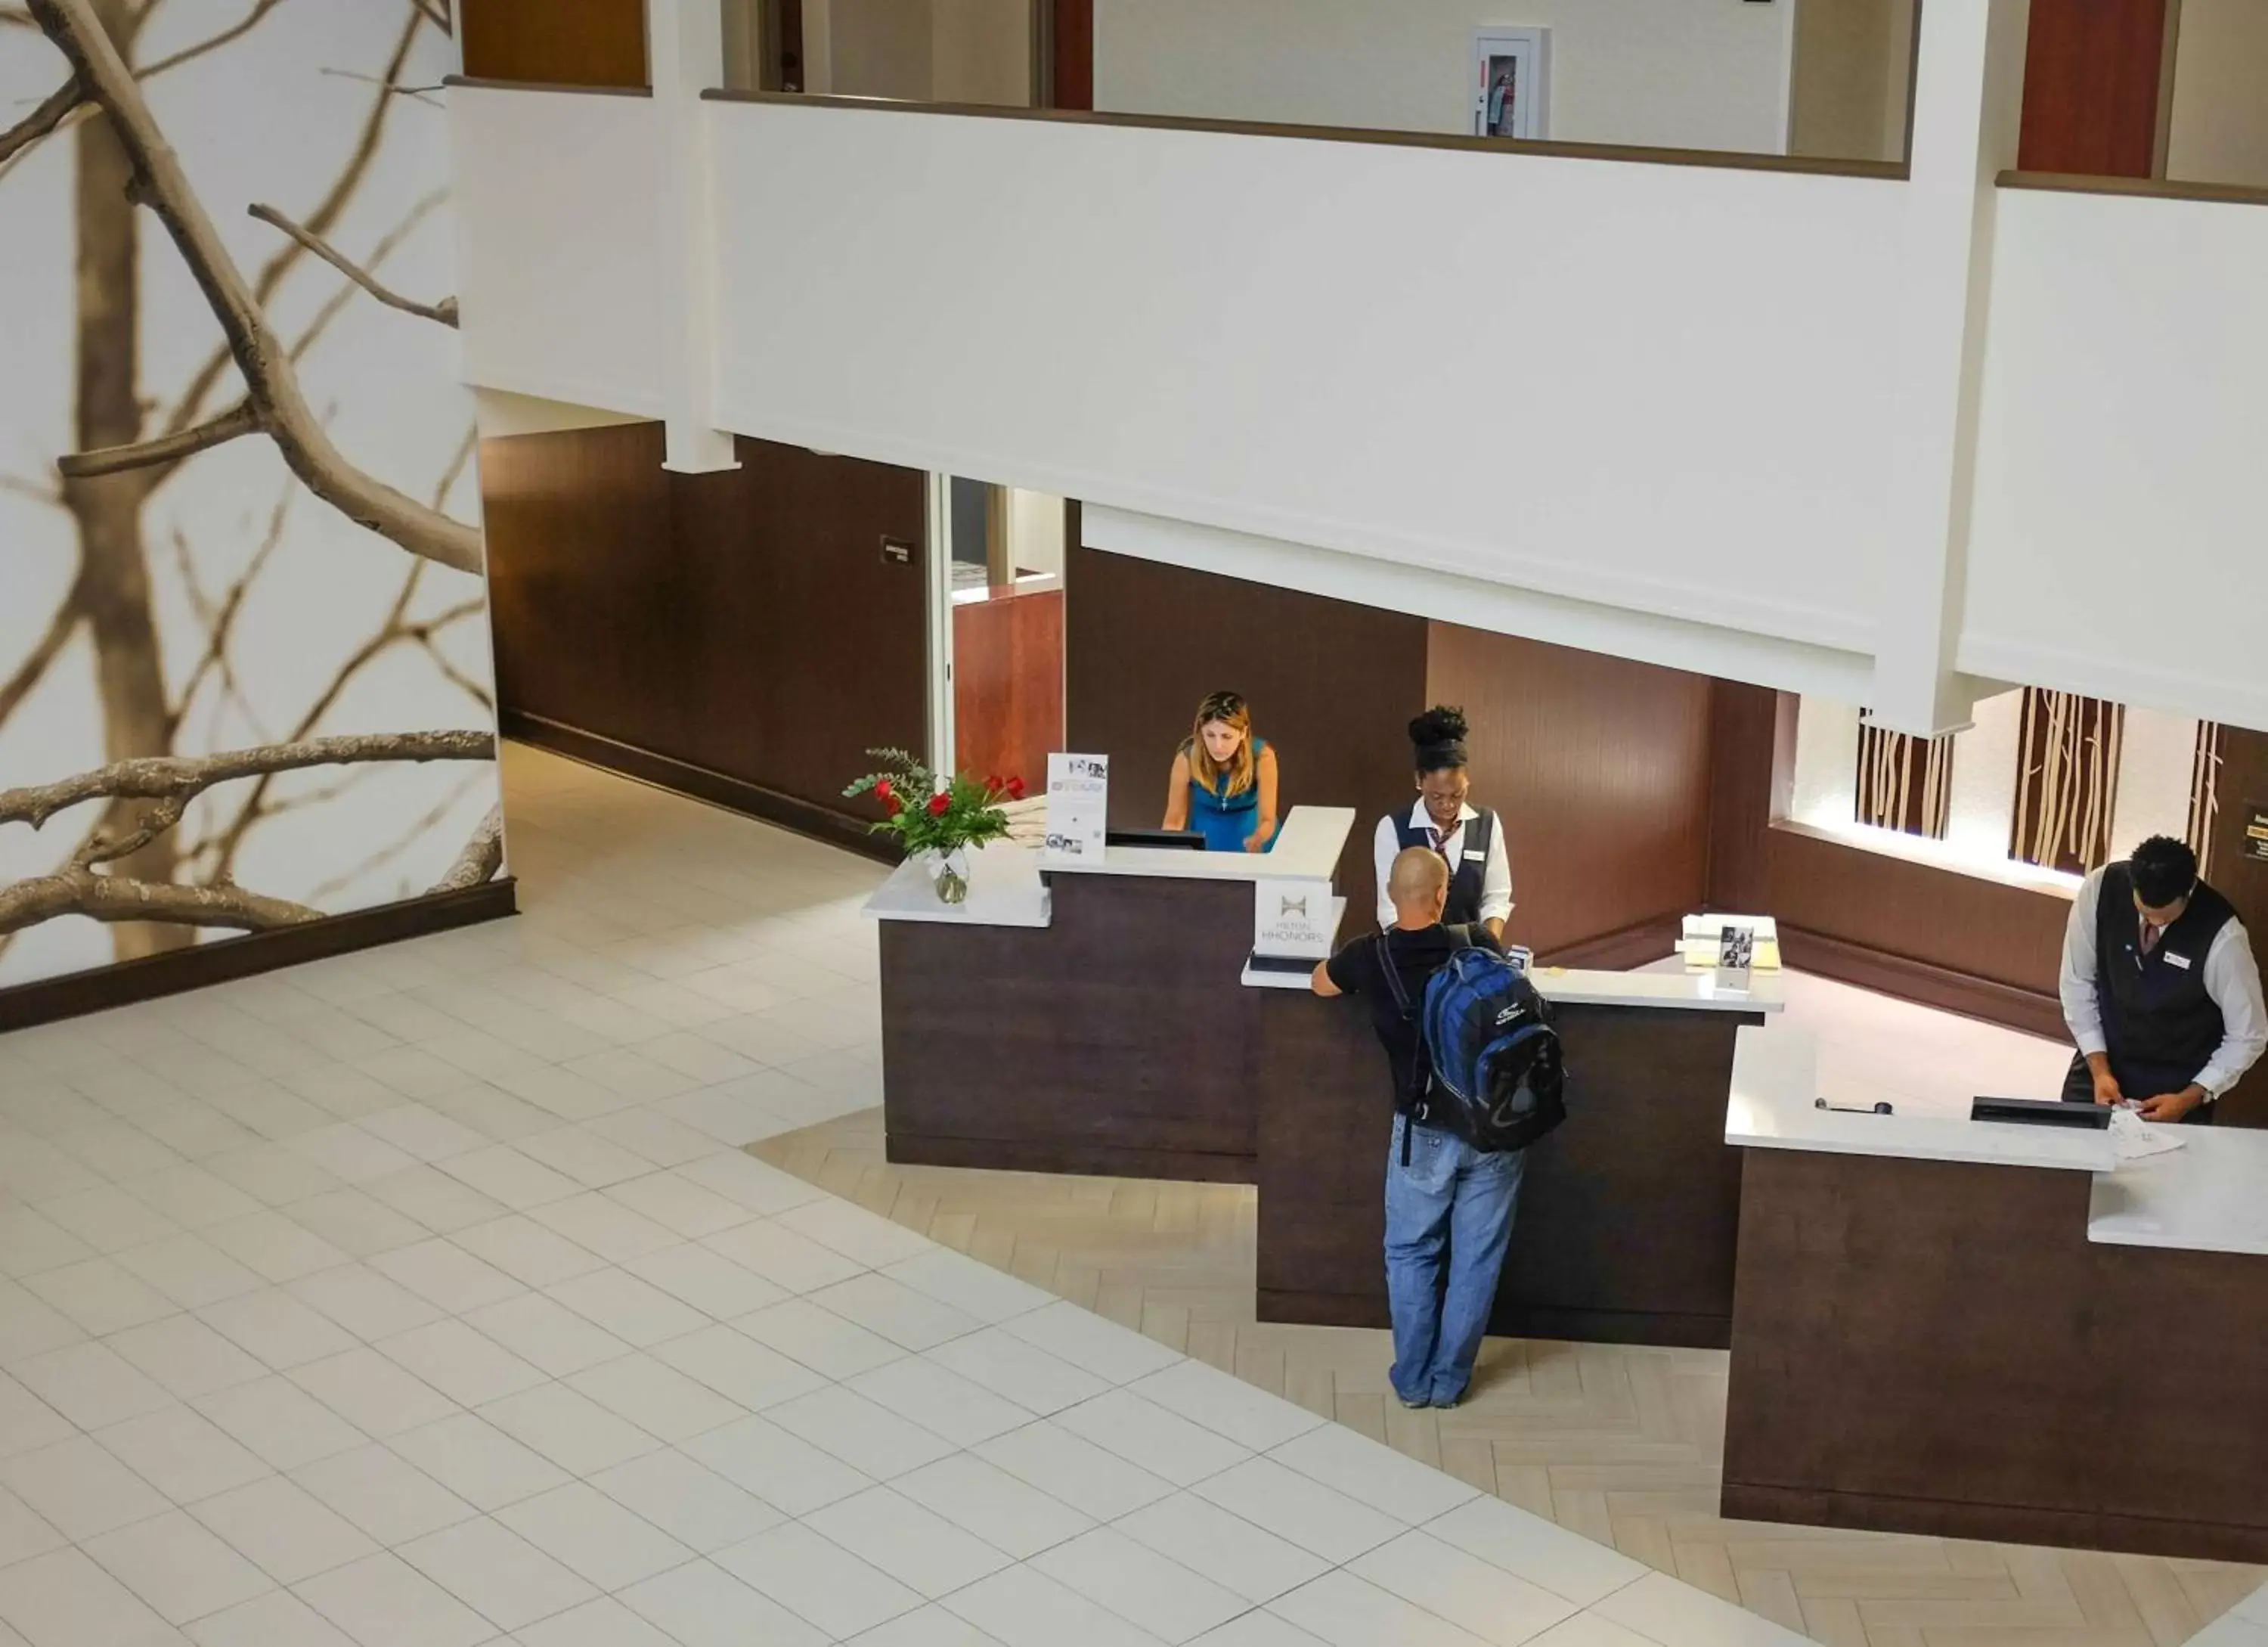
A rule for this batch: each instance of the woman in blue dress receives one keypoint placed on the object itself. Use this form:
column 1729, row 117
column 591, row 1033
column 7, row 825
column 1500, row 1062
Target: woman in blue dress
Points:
column 1224, row 780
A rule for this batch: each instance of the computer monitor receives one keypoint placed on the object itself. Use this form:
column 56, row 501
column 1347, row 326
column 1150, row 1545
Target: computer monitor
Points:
column 1187, row 840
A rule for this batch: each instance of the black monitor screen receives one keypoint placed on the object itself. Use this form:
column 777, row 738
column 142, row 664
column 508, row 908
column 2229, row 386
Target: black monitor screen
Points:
column 1188, row 840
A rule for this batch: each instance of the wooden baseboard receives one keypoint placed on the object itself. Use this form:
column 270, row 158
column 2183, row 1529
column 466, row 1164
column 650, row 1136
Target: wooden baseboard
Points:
column 226, row 959
column 2006, row 1524
column 1638, row 944
column 720, row 789
column 1066, row 1158
column 1923, row 981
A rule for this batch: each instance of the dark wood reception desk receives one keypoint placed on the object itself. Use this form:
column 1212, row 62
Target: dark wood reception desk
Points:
column 1097, row 1023
column 1945, row 1326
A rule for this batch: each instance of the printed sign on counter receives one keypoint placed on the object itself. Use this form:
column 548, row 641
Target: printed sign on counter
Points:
column 1078, row 808
column 1294, row 918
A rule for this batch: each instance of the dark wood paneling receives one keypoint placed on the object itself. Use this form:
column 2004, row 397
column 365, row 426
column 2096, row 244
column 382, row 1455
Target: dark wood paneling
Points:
column 742, row 624
column 2094, row 71
column 223, row 960
column 555, row 42
column 1008, row 683
column 1751, row 773
column 2242, row 785
column 1932, row 1347
column 1332, row 686
column 1116, row 1039
column 1600, row 769
column 1071, row 45
column 1627, row 1216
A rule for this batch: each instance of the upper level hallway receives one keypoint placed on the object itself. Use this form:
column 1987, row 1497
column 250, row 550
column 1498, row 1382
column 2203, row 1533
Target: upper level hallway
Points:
column 1883, row 430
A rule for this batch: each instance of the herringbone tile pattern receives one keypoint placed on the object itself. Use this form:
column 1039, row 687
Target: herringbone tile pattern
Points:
column 1621, row 1444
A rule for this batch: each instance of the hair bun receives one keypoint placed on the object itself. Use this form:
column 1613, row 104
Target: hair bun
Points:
column 1440, row 724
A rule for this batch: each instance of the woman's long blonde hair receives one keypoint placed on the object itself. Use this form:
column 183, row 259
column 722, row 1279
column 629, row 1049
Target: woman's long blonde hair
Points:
column 1240, row 773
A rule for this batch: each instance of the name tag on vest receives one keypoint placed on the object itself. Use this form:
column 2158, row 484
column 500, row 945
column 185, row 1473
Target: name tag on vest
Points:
column 2182, row 961
column 1482, row 857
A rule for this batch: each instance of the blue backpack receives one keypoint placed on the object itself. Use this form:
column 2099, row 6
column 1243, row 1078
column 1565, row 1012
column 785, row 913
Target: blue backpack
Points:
column 1496, row 1076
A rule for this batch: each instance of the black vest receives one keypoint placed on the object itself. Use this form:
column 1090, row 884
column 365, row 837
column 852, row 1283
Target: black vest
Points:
column 1466, row 875
column 2159, row 1022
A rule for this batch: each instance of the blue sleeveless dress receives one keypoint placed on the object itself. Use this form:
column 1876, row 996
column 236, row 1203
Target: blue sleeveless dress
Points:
column 1227, row 822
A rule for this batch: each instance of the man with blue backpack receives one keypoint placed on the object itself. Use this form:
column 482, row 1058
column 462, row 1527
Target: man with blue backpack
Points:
column 1477, row 1077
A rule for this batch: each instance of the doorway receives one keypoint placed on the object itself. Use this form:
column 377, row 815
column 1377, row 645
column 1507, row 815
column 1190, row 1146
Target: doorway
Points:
column 996, row 632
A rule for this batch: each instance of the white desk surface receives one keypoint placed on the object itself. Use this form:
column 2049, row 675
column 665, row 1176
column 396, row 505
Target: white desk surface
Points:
column 1774, row 1106
column 1308, row 848
column 2211, row 1195
column 1692, row 992
column 1004, row 889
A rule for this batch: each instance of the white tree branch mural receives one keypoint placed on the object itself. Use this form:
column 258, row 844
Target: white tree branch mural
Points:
column 174, row 813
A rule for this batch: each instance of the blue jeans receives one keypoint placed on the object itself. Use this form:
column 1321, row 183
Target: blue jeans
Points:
column 1450, row 1207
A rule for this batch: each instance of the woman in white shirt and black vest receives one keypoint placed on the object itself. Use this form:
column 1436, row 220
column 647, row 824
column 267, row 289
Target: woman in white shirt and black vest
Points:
column 2159, row 988
column 1470, row 838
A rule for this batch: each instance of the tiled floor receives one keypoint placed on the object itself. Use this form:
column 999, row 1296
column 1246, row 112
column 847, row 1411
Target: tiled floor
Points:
column 425, row 1299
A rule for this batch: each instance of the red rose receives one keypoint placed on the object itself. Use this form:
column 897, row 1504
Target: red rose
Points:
column 882, row 791
column 992, row 786
column 937, row 804
column 1015, row 789
column 895, row 805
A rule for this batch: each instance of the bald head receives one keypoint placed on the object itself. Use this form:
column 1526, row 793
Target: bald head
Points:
column 1418, row 886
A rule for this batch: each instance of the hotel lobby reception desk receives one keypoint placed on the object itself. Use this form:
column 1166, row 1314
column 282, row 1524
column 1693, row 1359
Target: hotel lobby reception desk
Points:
column 1101, row 1021
column 1992, row 1332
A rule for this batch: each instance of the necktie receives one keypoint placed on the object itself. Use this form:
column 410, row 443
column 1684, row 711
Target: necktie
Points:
column 2150, row 936
column 1441, row 840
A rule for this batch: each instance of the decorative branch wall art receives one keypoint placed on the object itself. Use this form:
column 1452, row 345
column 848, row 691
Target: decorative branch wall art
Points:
column 245, row 675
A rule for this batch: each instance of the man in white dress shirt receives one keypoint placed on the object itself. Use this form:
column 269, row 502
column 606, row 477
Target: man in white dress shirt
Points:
column 1470, row 839
column 2159, row 988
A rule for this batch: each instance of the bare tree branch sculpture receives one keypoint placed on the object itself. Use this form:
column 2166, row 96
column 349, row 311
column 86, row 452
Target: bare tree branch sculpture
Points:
column 235, row 31
column 481, row 858
column 41, row 121
column 238, row 420
column 123, row 869
column 185, row 777
column 43, row 654
column 272, row 388
column 171, row 782
column 444, row 311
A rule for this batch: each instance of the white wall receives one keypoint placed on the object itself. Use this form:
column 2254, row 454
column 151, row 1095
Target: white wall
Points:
column 1699, row 74
column 1982, row 806
column 558, row 202
column 1660, row 387
column 2220, row 132
column 2123, row 424
column 2157, row 758
column 1823, row 790
column 1035, row 532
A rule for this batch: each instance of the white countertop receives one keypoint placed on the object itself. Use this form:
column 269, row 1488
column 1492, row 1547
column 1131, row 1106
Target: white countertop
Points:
column 1774, row 1106
column 1308, row 848
column 2211, row 1195
column 1004, row 889
column 1693, row 992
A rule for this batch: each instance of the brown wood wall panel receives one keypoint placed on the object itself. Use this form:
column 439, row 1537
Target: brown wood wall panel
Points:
column 2242, row 785
column 555, row 42
column 744, row 623
column 2093, row 73
column 1071, row 48
column 1600, row 769
column 1928, row 1347
column 1332, row 685
column 1008, row 685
